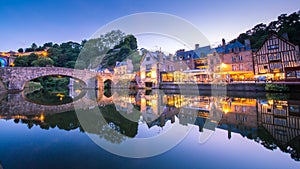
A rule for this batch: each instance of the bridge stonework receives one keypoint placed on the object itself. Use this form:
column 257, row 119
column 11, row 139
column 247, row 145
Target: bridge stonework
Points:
column 16, row 77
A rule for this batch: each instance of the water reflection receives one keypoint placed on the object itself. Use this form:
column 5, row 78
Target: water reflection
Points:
column 271, row 121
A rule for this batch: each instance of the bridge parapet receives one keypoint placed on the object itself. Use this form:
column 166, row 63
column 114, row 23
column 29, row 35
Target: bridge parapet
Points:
column 15, row 77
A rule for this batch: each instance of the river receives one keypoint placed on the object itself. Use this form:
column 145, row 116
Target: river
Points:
column 149, row 129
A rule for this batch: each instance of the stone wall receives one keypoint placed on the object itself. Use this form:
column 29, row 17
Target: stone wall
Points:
column 14, row 78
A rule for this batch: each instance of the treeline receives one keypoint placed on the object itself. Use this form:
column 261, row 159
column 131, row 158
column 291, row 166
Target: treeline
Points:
column 101, row 52
column 285, row 25
column 63, row 55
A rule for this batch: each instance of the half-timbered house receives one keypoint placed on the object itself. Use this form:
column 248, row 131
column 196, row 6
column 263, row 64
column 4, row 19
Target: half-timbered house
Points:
column 277, row 59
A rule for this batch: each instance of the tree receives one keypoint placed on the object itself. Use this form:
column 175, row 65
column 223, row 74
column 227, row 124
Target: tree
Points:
column 43, row 62
column 48, row 44
column 70, row 64
column 25, row 61
column 80, row 65
column 20, row 50
column 96, row 49
column 30, row 58
column 29, row 50
column 34, row 46
column 289, row 24
column 21, row 62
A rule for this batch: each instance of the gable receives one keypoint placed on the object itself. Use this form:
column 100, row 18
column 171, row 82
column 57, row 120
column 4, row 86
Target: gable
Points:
column 274, row 44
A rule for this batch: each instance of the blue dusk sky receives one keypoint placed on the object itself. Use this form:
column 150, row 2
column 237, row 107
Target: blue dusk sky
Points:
column 26, row 21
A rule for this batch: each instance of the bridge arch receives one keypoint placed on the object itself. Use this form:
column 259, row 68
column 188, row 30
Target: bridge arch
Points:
column 16, row 77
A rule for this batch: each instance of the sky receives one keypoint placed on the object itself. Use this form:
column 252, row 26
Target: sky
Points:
column 41, row 21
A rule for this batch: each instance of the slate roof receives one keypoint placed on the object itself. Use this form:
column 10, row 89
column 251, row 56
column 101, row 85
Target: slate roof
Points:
column 204, row 51
column 118, row 64
column 238, row 44
column 187, row 55
column 195, row 54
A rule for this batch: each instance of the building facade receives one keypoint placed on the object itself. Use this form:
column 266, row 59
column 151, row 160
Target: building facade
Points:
column 277, row 59
column 234, row 61
column 152, row 64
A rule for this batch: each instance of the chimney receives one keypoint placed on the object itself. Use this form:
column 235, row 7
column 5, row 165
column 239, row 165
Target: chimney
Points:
column 223, row 43
column 197, row 46
column 247, row 43
column 285, row 36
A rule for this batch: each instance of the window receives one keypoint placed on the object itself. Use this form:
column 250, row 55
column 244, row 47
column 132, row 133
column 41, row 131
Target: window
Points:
column 241, row 67
column 236, row 49
column 233, row 59
column 147, row 58
column 240, row 57
column 233, row 67
column 148, row 74
column 278, row 56
column 265, row 67
column 243, row 109
column 279, row 121
column 148, row 67
column 271, row 47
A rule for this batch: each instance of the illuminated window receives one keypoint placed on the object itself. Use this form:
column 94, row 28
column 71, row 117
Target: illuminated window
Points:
column 241, row 67
column 271, row 47
column 148, row 74
column 233, row 67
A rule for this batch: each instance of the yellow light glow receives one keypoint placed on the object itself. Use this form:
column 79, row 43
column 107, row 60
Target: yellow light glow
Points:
column 270, row 102
column 226, row 111
column 223, row 65
column 42, row 117
column 153, row 74
column 61, row 96
column 143, row 75
column 44, row 53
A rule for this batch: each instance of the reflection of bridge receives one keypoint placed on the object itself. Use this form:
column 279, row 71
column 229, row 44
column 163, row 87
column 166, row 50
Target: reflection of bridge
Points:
column 16, row 77
column 16, row 104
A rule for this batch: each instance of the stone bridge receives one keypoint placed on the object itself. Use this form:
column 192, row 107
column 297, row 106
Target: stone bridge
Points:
column 18, row 105
column 15, row 78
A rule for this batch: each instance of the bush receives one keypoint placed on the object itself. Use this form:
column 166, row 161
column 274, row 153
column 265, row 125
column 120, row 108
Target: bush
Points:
column 277, row 87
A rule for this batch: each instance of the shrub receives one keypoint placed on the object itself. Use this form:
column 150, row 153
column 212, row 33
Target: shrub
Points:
column 277, row 87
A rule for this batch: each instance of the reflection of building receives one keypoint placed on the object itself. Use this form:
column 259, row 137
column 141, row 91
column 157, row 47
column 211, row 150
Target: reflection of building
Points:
column 280, row 118
column 239, row 116
column 277, row 58
column 235, row 60
column 151, row 106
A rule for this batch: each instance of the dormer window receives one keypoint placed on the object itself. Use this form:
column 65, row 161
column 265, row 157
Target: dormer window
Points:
column 236, row 49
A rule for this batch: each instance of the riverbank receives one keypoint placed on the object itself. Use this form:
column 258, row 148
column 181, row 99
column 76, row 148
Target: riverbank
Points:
column 251, row 87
